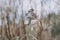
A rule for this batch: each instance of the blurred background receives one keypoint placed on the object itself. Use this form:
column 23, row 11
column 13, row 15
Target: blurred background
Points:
column 29, row 19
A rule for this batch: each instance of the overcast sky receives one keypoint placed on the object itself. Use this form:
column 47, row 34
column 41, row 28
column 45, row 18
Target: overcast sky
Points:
column 48, row 6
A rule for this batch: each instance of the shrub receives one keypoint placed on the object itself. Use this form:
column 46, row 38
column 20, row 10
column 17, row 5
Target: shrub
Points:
column 55, row 30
